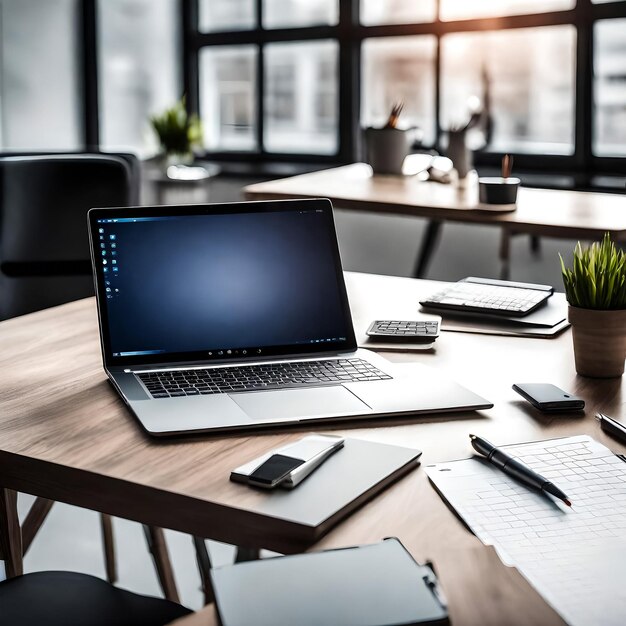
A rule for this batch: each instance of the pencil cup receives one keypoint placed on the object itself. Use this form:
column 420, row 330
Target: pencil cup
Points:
column 387, row 148
column 498, row 190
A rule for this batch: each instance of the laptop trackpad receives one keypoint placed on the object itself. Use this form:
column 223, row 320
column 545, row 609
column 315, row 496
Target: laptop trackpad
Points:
column 282, row 405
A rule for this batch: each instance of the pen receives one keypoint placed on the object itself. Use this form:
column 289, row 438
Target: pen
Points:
column 515, row 468
column 611, row 426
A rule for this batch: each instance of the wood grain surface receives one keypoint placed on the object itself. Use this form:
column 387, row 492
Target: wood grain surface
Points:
column 65, row 435
column 544, row 212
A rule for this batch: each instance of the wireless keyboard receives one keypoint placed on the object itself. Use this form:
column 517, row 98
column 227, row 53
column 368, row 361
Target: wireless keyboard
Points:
column 404, row 330
column 491, row 297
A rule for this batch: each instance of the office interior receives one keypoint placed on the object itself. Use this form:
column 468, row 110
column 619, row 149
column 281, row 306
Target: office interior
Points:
column 286, row 87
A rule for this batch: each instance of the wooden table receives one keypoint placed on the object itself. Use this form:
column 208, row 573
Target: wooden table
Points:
column 64, row 434
column 540, row 212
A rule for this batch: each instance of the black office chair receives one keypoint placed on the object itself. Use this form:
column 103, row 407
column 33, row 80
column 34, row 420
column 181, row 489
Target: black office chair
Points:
column 45, row 261
column 67, row 598
column 44, row 199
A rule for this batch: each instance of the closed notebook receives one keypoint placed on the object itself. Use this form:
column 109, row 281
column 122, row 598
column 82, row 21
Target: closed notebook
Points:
column 374, row 585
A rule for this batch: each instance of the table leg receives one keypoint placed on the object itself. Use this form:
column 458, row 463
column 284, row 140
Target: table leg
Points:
column 10, row 534
column 429, row 243
column 110, row 563
column 204, row 566
column 535, row 244
column 505, row 254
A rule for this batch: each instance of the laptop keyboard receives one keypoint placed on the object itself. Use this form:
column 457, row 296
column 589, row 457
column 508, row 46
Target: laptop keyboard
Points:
column 193, row 382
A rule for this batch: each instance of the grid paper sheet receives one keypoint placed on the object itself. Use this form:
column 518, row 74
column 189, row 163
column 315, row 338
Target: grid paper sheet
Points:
column 575, row 558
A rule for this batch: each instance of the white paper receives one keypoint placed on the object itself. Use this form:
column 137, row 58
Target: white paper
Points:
column 575, row 557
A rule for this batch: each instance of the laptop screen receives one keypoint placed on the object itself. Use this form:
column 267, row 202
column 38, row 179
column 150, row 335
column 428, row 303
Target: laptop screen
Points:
column 239, row 281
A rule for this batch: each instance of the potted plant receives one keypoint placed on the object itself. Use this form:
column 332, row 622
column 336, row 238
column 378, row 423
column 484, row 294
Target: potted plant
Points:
column 595, row 288
column 178, row 133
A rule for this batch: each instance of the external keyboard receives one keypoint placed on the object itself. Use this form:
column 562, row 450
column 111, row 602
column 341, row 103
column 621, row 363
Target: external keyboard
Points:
column 404, row 330
column 292, row 374
column 492, row 299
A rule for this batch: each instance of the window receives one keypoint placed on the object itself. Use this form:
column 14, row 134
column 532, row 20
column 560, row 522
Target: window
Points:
column 228, row 86
column 400, row 69
column 529, row 103
column 291, row 13
column 296, row 80
column 462, row 9
column 224, row 15
column 528, row 63
column 301, row 97
column 40, row 75
column 259, row 97
column 610, row 88
column 139, row 73
column 397, row 11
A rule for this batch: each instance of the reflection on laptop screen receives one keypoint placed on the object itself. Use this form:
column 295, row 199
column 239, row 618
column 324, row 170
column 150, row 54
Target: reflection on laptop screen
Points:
column 226, row 284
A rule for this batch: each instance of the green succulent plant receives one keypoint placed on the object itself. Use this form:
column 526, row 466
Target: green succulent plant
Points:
column 178, row 131
column 597, row 279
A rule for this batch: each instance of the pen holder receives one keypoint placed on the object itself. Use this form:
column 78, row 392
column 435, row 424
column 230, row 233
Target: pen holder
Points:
column 387, row 148
column 498, row 190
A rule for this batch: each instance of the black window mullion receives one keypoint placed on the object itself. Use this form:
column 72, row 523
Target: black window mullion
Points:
column 260, row 82
column 583, row 86
column 349, row 72
column 190, row 55
column 437, row 30
column 260, row 98
column 91, row 108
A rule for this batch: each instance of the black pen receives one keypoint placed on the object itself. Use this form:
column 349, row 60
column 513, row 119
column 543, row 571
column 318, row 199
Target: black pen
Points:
column 515, row 468
column 611, row 426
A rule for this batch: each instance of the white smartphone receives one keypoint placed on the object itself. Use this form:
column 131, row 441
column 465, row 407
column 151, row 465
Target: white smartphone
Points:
column 289, row 465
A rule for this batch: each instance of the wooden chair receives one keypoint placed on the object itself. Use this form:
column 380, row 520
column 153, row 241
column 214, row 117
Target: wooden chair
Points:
column 22, row 536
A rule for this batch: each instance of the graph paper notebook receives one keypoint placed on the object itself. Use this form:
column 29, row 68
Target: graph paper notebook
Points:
column 575, row 558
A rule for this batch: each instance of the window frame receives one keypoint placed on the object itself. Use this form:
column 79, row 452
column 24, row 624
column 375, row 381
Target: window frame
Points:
column 349, row 33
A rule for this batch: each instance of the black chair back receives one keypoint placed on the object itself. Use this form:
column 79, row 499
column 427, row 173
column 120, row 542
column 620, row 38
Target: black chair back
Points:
column 44, row 247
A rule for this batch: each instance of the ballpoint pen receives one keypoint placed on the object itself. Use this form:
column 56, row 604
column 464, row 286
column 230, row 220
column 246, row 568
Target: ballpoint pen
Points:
column 516, row 468
column 612, row 426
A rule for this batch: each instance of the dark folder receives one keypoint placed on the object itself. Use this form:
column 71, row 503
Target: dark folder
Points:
column 374, row 585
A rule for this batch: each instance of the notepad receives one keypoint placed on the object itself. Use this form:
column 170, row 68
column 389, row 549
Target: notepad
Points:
column 575, row 558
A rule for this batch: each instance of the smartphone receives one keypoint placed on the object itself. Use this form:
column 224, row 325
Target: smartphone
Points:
column 289, row 465
column 273, row 471
column 547, row 398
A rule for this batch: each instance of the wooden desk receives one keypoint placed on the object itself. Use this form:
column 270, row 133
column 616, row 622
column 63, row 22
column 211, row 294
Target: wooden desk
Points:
column 64, row 434
column 540, row 212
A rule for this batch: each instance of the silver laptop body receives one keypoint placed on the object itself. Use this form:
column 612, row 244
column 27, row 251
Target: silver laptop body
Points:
column 235, row 316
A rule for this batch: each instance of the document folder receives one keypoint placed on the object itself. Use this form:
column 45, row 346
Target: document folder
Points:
column 373, row 585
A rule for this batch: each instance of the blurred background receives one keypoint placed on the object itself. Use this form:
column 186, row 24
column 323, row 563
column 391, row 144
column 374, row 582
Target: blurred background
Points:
column 286, row 86
column 298, row 77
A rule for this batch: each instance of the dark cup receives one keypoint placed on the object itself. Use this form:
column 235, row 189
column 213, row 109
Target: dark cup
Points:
column 498, row 190
column 387, row 148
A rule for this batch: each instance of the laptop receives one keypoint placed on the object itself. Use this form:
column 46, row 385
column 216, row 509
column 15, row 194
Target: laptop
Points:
column 226, row 317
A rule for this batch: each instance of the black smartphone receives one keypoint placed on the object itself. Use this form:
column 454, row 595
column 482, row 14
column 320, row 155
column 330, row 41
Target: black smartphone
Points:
column 274, row 470
column 546, row 397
